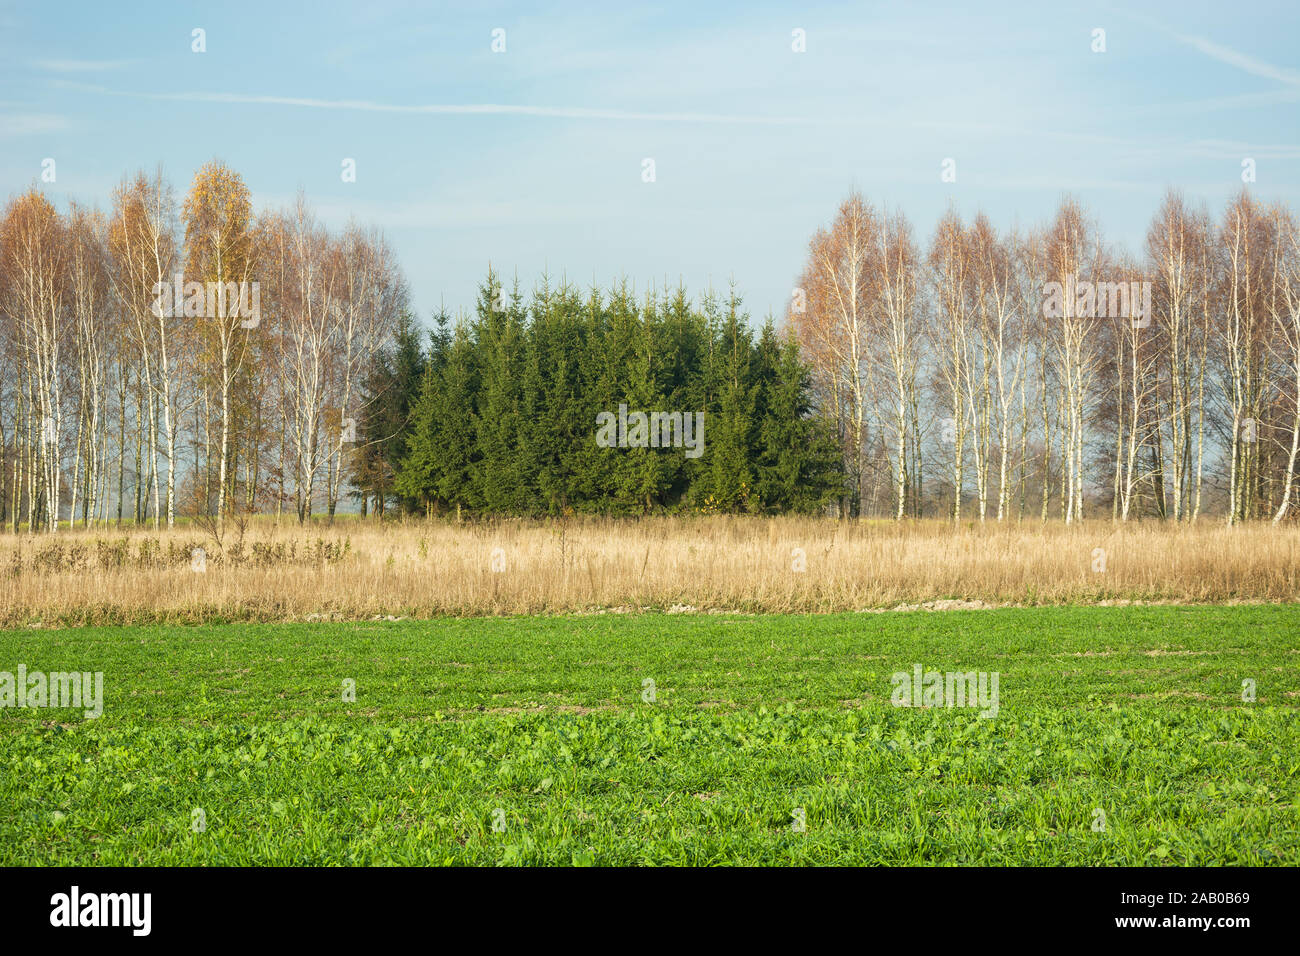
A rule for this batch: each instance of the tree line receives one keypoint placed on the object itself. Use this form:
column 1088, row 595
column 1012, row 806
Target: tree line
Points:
column 1045, row 372
column 988, row 374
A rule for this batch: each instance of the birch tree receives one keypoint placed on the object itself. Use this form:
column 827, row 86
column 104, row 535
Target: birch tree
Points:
column 221, row 260
column 34, row 247
column 145, row 256
column 838, row 280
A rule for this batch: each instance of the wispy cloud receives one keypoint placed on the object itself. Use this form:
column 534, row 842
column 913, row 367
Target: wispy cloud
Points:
column 448, row 213
column 81, row 66
column 30, row 124
column 462, row 109
column 1228, row 149
column 1224, row 54
column 576, row 112
column 1240, row 60
column 1243, row 101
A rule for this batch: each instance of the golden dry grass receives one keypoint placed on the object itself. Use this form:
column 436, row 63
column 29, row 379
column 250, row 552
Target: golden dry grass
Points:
column 359, row 570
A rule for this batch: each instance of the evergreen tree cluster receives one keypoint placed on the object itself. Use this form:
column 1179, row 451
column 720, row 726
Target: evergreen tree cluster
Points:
column 504, row 418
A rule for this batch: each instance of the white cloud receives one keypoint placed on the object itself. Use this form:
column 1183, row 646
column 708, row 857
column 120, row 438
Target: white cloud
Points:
column 81, row 66
column 30, row 124
column 1224, row 54
column 1240, row 60
column 370, row 106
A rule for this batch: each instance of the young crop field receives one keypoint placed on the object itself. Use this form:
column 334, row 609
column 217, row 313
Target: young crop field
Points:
column 1105, row 736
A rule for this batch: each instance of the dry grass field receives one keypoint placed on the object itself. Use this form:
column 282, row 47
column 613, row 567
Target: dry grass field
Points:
column 357, row 570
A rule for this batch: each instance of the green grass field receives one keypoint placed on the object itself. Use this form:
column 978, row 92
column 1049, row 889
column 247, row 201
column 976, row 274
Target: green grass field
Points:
column 527, row 740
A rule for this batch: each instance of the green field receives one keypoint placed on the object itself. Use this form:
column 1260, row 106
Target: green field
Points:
column 527, row 740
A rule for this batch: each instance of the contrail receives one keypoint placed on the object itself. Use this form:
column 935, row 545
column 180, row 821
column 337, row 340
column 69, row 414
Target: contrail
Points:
column 461, row 109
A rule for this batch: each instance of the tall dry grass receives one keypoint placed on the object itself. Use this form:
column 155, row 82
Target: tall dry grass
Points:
column 359, row 570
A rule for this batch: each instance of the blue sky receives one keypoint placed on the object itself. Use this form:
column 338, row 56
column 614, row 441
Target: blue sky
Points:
column 532, row 158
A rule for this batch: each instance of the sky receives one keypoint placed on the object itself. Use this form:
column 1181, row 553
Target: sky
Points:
column 533, row 158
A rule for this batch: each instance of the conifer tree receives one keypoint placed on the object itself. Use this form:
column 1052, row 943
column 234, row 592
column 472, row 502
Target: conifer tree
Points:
column 499, row 341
